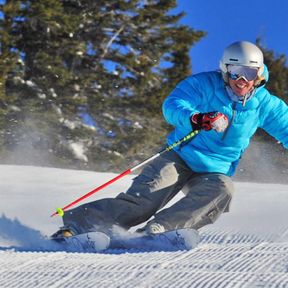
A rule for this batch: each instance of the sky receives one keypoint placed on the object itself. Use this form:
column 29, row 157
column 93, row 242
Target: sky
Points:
column 247, row 247
column 227, row 21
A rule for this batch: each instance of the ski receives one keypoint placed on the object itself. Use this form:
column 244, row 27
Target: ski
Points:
column 180, row 239
column 86, row 242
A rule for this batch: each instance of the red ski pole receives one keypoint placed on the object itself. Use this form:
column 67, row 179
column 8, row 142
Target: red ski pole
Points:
column 60, row 211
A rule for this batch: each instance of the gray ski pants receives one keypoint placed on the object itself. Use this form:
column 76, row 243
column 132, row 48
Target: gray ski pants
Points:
column 207, row 195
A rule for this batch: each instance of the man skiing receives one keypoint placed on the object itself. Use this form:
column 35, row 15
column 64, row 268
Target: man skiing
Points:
column 227, row 106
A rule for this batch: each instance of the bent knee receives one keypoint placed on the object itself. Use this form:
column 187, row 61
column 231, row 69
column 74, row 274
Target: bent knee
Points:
column 223, row 182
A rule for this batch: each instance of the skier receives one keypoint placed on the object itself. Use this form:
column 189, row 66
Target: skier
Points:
column 227, row 106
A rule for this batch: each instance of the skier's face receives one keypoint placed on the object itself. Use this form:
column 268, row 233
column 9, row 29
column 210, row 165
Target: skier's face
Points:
column 241, row 87
column 241, row 78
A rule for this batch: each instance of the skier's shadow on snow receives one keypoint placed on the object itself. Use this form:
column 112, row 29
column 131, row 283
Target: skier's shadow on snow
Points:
column 19, row 235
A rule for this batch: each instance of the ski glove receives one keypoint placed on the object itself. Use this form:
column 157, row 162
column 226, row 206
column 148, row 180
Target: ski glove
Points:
column 208, row 121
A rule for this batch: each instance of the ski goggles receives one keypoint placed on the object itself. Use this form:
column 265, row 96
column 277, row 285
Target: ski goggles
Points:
column 235, row 72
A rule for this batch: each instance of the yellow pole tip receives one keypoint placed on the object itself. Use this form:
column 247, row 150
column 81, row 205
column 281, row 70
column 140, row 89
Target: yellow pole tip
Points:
column 60, row 212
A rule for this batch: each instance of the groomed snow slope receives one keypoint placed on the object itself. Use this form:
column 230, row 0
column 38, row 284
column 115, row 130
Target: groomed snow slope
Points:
column 247, row 247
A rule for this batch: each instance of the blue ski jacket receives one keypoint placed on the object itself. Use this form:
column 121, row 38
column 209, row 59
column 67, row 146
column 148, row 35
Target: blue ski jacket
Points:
column 211, row 151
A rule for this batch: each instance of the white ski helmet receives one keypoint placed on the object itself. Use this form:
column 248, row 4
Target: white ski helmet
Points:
column 242, row 53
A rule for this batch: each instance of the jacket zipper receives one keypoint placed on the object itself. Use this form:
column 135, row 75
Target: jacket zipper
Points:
column 231, row 122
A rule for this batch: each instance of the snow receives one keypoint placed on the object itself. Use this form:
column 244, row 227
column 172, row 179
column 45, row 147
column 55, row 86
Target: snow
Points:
column 247, row 247
column 78, row 149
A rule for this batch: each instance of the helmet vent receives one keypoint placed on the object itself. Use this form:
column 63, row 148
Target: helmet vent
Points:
column 232, row 59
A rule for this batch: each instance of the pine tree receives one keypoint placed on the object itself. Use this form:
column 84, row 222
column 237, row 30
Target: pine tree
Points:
column 8, row 56
column 10, row 61
column 278, row 73
column 114, row 61
column 143, row 53
column 46, row 95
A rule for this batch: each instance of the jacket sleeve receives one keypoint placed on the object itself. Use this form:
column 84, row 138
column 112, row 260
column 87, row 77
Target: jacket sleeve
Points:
column 182, row 102
column 274, row 119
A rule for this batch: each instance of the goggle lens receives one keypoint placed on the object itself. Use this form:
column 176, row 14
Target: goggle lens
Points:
column 236, row 72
